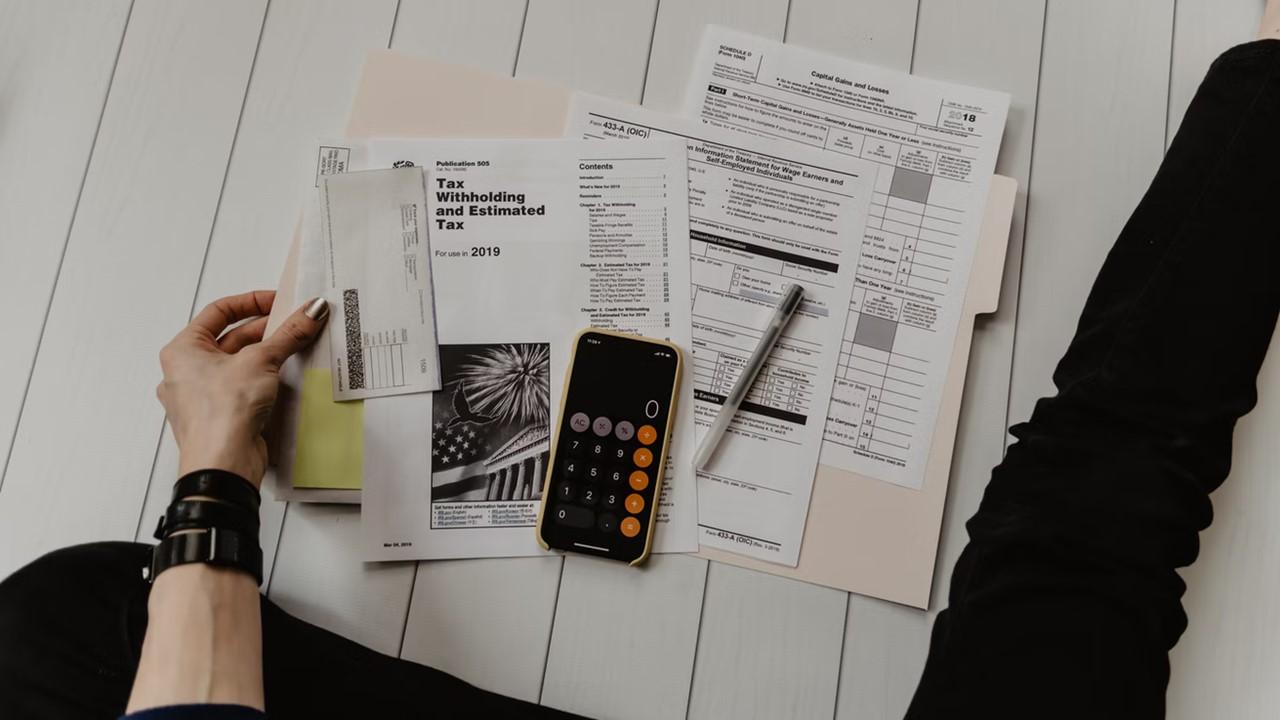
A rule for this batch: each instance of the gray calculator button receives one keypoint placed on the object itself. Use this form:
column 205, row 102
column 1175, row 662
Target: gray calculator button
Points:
column 602, row 426
column 624, row 431
column 579, row 422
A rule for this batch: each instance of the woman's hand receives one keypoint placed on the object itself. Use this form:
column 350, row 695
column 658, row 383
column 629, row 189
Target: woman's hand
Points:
column 219, row 387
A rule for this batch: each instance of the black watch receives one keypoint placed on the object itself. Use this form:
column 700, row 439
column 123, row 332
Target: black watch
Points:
column 214, row 546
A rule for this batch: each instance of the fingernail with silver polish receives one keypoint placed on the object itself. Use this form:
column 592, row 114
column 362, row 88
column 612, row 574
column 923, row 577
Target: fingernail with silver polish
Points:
column 317, row 309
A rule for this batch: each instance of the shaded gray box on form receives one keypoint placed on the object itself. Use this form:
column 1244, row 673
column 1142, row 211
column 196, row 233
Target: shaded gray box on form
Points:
column 875, row 332
column 911, row 185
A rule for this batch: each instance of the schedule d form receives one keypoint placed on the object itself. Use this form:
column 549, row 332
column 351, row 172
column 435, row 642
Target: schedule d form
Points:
column 762, row 215
column 935, row 145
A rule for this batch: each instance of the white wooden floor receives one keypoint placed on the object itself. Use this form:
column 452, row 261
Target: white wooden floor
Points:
column 152, row 157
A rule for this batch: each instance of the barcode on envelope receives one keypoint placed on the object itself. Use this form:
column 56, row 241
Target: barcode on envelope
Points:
column 355, row 346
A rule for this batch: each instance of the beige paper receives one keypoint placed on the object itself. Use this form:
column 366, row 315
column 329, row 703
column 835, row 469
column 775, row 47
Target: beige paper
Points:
column 863, row 535
column 409, row 96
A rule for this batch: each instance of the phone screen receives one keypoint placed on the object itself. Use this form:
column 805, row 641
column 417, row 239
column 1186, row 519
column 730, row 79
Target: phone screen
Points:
column 605, row 475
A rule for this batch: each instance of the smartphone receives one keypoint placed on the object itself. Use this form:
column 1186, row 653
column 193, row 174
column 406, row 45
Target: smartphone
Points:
column 609, row 448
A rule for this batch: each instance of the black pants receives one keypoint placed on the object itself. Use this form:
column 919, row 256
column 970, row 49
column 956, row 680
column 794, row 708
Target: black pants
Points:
column 71, row 627
column 1065, row 602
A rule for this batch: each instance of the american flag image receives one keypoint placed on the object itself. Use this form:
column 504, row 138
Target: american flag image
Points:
column 457, row 462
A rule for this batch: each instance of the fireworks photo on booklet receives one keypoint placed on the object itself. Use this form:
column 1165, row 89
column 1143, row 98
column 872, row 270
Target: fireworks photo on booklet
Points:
column 490, row 431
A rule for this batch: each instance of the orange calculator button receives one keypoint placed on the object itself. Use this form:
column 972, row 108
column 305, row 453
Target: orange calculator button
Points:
column 630, row 527
column 634, row 504
column 643, row 457
column 639, row 480
column 647, row 434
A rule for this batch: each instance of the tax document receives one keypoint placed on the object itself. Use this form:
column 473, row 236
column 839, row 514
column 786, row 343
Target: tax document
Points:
column 378, row 283
column 531, row 241
column 762, row 215
column 935, row 145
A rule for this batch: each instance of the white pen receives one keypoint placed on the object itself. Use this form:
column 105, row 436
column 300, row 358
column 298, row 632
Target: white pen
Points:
column 781, row 314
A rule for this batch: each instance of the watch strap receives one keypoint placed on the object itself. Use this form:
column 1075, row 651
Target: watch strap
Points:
column 191, row 514
column 214, row 546
column 220, row 485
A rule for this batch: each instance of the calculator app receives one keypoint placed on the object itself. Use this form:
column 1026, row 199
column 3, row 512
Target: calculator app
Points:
column 604, row 479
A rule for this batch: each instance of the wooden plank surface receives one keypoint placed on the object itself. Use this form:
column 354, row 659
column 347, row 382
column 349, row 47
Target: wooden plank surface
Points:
column 485, row 621
column 306, row 70
column 56, row 60
column 483, row 35
column 598, row 46
column 625, row 637
column 769, row 647
column 1009, row 33
column 677, row 33
column 1099, row 138
column 148, row 202
column 880, row 32
column 1226, row 662
column 884, row 650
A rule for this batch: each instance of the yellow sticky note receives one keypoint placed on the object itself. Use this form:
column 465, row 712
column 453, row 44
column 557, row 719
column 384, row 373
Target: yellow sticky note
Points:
column 330, row 447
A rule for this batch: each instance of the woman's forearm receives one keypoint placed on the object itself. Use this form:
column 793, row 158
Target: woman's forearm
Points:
column 203, row 642
column 221, row 376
